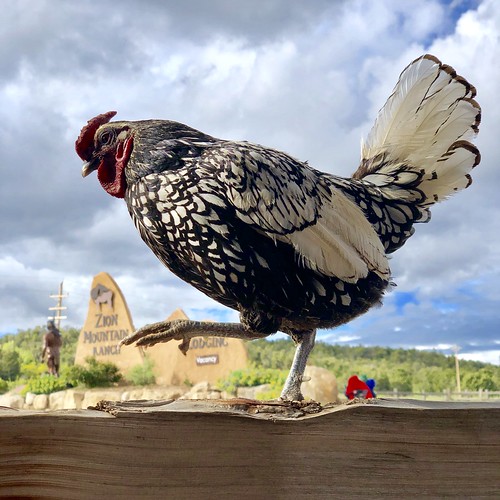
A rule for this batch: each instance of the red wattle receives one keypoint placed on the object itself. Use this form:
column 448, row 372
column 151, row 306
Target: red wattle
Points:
column 111, row 171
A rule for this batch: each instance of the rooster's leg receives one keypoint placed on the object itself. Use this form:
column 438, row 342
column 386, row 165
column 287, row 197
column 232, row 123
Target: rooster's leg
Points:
column 305, row 342
column 185, row 330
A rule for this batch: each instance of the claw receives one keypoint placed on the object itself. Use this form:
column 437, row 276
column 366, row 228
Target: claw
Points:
column 130, row 339
column 184, row 346
column 148, row 334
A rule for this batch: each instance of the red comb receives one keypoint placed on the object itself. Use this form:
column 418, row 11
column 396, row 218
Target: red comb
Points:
column 84, row 145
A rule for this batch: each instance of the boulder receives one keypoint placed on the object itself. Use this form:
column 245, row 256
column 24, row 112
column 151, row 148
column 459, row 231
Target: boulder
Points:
column 202, row 390
column 73, row 399
column 40, row 402
column 12, row 401
column 28, row 399
column 92, row 397
column 153, row 393
column 159, row 393
column 56, row 400
column 132, row 394
column 321, row 386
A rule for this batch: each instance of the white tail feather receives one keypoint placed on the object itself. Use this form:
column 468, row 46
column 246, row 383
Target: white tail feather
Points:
column 425, row 126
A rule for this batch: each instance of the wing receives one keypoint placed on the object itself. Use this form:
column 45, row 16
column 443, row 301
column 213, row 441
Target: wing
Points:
column 288, row 201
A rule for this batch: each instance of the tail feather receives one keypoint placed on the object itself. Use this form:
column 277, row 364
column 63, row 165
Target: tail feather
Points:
column 418, row 149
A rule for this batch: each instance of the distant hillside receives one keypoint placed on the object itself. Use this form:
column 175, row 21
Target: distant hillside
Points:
column 406, row 370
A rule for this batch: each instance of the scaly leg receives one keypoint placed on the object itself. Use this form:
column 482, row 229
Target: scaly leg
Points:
column 185, row 330
column 305, row 343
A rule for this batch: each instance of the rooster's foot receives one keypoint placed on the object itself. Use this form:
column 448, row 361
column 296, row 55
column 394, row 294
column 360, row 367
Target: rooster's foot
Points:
column 185, row 330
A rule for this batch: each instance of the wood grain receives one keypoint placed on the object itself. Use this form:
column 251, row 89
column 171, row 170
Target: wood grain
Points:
column 242, row 449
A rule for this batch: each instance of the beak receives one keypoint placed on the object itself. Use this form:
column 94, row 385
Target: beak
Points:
column 89, row 167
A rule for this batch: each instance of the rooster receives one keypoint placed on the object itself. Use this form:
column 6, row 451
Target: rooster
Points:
column 287, row 246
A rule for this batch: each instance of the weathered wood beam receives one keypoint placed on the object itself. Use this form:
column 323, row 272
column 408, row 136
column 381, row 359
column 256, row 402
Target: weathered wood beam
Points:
column 240, row 449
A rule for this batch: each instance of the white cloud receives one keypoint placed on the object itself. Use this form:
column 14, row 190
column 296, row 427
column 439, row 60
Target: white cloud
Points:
column 484, row 356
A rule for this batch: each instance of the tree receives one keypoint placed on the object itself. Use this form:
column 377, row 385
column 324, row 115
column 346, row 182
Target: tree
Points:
column 10, row 364
column 433, row 379
column 401, row 378
column 383, row 383
column 68, row 350
column 277, row 354
column 481, row 379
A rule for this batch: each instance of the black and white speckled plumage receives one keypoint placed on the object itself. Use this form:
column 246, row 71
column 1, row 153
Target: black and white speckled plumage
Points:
column 289, row 247
column 188, row 217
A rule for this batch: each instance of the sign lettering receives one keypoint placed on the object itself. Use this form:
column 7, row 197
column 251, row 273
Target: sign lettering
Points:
column 106, row 350
column 212, row 359
column 106, row 320
column 104, row 336
column 207, row 343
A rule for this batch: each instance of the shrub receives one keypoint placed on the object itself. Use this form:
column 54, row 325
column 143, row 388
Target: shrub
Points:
column 142, row 374
column 45, row 384
column 4, row 386
column 95, row 374
column 251, row 377
column 33, row 369
column 273, row 393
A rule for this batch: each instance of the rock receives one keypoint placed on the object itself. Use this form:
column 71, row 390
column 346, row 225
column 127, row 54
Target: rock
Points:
column 28, row 399
column 92, row 397
column 214, row 394
column 148, row 394
column 199, row 388
column 133, row 394
column 73, row 399
column 159, row 393
column 56, row 400
column 322, row 386
column 40, row 402
column 153, row 393
column 12, row 401
column 202, row 390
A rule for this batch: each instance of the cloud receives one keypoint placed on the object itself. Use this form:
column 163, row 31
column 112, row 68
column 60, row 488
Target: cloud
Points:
column 307, row 78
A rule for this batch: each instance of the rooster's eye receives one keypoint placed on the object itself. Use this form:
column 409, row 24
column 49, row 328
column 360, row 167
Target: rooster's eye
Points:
column 106, row 138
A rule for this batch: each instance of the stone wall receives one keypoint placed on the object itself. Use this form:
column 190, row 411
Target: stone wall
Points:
column 77, row 399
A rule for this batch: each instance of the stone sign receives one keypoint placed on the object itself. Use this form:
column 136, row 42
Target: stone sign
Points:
column 108, row 321
column 208, row 359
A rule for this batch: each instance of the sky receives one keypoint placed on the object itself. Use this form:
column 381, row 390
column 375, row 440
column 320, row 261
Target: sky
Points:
column 304, row 77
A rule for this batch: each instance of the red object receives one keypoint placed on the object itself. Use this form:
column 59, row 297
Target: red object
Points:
column 356, row 388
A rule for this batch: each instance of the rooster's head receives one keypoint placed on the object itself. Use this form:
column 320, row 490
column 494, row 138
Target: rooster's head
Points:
column 106, row 147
